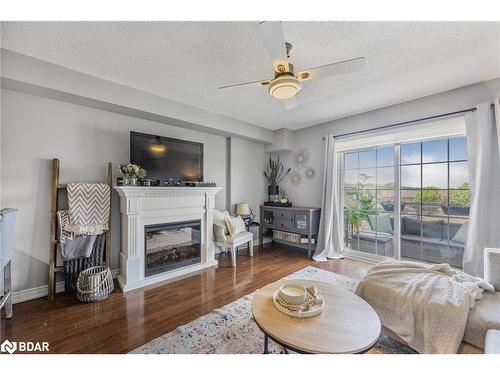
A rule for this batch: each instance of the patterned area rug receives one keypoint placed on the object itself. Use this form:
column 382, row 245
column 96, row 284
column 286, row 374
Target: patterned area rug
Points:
column 231, row 330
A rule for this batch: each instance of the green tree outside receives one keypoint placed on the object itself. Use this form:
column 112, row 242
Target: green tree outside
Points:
column 427, row 194
column 460, row 198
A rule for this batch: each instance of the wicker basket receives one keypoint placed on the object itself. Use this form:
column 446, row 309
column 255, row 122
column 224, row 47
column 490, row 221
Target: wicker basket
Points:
column 94, row 284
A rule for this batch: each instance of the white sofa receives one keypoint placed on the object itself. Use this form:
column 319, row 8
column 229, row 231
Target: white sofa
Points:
column 482, row 318
column 226, row 241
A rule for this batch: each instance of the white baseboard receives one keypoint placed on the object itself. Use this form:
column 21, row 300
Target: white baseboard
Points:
column 43, row 290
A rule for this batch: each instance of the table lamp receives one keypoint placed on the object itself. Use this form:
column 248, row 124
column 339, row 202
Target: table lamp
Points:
column 243, row 210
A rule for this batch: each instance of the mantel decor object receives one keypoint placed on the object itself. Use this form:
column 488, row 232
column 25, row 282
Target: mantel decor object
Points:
column 131, row 174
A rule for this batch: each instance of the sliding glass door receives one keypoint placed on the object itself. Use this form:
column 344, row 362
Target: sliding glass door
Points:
column 408, row 200
column 435, row 200
column 368, row 190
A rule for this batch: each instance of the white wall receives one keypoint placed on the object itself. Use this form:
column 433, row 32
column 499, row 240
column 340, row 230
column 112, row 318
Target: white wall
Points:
column 246, row 168
column 308, row 192
column 35, row 130
column 247, row 162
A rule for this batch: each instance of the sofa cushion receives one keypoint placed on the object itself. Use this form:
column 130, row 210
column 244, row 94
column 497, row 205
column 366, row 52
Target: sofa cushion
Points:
column 453, row 228
column 410, row 226
column 434, row 229
column 381, row 223
column 461, row 235
column 484, row 316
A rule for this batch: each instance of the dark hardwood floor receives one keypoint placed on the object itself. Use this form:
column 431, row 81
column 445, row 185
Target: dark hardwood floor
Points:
column 124, row 322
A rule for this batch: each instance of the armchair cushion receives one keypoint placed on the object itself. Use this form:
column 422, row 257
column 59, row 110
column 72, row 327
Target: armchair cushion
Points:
column 219, row 233
column 240, row 238
column 220, row 219
column 235, row 225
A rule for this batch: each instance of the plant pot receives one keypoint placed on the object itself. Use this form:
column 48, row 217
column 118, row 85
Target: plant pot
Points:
column 273, row 190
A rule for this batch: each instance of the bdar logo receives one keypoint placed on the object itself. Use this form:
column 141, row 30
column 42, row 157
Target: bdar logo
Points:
column 8, row 347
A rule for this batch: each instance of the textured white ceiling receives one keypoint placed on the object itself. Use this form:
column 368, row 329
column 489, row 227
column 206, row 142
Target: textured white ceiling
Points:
column 187, row 61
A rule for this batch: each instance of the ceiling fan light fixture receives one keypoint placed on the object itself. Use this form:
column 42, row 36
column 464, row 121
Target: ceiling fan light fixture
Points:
column 284, row 87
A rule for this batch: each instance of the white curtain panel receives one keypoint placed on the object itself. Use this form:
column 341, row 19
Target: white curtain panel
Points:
column 330, row 225
column 484, row 175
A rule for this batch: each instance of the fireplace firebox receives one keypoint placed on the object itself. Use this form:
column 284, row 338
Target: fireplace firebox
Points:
column 171, row 245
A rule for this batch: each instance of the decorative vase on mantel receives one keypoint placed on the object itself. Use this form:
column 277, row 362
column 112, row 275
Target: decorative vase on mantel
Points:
column 129, row 181
column 131, row 174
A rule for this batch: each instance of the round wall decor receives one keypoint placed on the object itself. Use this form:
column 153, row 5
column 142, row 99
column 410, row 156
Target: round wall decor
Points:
column 301, row 158
column 310, row 173
column 295, row 179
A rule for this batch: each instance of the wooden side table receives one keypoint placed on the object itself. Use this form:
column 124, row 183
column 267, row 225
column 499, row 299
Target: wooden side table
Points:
column 347, row 324
column 252, row 224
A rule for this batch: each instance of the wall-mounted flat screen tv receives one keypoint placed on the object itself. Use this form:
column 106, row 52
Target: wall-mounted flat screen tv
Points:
column 167, row 159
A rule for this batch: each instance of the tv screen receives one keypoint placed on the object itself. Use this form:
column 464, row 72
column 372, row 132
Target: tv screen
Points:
column 167, row 158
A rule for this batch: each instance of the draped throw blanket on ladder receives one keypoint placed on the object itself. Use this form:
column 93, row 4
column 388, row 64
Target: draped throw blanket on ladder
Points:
column 330, row 226
column 483, row 143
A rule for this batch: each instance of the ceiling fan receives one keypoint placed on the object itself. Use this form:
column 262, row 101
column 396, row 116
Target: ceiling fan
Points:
column 287, row 84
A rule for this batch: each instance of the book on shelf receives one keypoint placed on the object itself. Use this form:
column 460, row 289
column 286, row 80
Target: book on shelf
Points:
column 305, row 240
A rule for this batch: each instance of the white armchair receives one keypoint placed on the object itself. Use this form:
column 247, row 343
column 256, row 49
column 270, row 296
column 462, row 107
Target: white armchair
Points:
column 229, row 233
column 7, row 221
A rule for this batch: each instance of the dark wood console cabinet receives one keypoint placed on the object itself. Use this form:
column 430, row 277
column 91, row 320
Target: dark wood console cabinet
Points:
column 299, row 221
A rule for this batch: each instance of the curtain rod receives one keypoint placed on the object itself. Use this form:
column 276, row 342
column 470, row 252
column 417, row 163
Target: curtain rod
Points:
column 406, row 122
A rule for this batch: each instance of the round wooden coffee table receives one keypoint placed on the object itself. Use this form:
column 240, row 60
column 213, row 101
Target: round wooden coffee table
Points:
column 347, row 324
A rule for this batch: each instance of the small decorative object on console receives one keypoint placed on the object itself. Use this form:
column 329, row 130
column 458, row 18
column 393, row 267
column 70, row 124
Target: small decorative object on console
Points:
column 283, row 196
column 207, row 184
column 278, row 204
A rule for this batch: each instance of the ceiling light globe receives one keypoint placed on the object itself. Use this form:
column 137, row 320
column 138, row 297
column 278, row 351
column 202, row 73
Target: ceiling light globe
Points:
column 284, row 87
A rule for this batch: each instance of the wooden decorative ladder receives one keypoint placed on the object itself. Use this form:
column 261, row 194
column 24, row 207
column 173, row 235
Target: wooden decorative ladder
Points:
column 57, row 187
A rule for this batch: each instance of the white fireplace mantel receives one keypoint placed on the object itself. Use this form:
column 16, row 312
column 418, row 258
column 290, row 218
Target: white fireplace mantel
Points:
column 141, row 206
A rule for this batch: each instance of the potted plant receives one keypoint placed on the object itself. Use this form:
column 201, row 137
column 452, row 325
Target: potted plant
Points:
column 283, row 196
column 131, row 173
column 274, row 174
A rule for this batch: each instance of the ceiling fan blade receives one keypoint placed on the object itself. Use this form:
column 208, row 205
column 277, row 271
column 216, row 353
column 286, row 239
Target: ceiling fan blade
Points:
column 291, row 103
column 264, row 82
column 272, row 33
column 341, row 67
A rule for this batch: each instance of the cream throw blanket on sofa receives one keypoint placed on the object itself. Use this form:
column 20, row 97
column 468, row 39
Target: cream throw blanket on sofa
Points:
column 426, row 305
